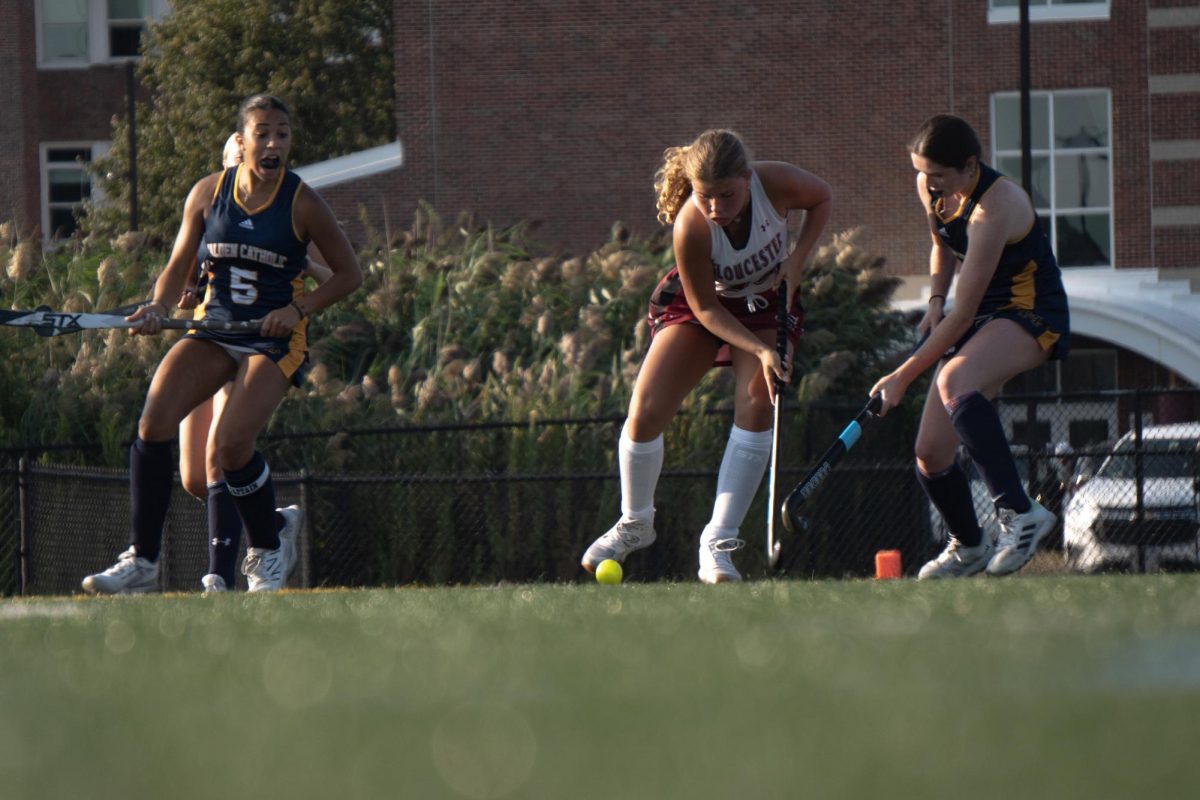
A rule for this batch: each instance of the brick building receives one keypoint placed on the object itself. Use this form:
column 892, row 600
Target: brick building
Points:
column 63, row 68
column 558, row 112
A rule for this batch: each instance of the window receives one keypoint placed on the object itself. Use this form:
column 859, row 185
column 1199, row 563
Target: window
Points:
column 126, row 21
column 1035, row 437
column 79, row 33
column 64, row 30
column 1089, row 370
column 1047, row 10
column 1071, row 171
column 66, row 185
column 1085, row 433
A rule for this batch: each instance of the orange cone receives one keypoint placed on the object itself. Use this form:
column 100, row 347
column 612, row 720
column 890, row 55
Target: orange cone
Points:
column 887, row 564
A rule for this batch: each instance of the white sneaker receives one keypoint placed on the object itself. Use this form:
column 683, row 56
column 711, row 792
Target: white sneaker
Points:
column 265, row 570
column 268, row 570
column 289, row 536
column 958, row 561
column 1019, row 537
column 716, row 564
column 622, row 539
column 212, row 582
column 132, row 574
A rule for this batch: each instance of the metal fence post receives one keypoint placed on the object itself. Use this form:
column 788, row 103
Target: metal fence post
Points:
column 1032, row 451
column 23, row 521
column 305, row 532
column 1139, row 464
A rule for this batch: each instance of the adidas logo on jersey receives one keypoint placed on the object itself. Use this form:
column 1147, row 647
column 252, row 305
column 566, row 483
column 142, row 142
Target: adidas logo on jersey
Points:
column 247, row 224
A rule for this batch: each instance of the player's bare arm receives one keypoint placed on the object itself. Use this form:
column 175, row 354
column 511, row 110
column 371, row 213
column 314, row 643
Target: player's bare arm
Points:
column 693, row 256
column 315, row 267
column 989, row 228
column 794, row 189
column 182, row 262
column 313, row 219
column 942, row 265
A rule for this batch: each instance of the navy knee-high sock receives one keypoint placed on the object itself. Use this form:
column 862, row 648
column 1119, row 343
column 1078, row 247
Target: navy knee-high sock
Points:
column 254, row 492
column 224, row 532
column 979, row 427
column 950, row 493
column 151, row 474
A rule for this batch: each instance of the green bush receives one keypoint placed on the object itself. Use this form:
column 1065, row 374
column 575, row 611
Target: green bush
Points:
column 455, row 322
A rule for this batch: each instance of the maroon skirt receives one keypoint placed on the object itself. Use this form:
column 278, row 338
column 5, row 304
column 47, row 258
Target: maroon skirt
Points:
column 669, row 306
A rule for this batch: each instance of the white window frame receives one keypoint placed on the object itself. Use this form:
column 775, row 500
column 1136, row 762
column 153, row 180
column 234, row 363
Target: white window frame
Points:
column 99, row 48
column 98, row 149
column 1050, row 152
column 1049, row 11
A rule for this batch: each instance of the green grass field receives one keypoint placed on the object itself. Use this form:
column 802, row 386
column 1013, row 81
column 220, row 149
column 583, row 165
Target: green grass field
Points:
column 1054, row 687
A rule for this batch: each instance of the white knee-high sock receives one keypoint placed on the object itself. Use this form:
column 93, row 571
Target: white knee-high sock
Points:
column 742, row 469
column 641, row 463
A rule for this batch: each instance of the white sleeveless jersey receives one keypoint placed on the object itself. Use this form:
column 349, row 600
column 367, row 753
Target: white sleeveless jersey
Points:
column 748, row 271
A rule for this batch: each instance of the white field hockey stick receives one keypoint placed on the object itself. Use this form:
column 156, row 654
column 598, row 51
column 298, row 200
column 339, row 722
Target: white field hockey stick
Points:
column 46, row 322
column 781, row 345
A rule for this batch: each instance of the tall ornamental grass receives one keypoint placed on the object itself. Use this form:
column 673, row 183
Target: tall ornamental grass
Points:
column 455, row 322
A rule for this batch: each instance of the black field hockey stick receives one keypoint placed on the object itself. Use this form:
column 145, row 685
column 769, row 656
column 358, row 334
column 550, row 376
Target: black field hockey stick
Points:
column 792, row 518
column 46, row 322
column 781, row 346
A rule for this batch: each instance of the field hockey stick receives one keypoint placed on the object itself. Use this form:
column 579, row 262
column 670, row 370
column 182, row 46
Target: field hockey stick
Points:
column 46, row 322
column 792, row 519
column 781, row 346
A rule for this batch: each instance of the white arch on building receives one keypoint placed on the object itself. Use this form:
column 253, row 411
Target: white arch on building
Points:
column 1137, row 309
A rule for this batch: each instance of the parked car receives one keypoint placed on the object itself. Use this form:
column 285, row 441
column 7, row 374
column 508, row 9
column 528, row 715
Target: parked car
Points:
column 1139, row 511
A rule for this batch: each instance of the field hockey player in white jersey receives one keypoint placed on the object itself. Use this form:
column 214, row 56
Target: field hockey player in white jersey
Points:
column 256, row 221
column 717, row 306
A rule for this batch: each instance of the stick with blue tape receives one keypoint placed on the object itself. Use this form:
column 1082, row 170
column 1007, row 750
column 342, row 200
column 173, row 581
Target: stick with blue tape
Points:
column 792, row 518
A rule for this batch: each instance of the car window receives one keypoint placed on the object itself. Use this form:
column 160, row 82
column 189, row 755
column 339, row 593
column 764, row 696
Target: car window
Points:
column 1161, row 458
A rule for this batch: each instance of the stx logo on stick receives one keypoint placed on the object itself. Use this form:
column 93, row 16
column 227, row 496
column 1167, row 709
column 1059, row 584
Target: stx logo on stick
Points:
column 60, row 319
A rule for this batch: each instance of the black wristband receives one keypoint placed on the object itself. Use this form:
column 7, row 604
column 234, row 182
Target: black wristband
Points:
column 299, row 310
column 932, row 296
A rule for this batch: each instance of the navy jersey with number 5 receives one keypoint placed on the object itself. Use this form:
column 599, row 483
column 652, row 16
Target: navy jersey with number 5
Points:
column 254, row 262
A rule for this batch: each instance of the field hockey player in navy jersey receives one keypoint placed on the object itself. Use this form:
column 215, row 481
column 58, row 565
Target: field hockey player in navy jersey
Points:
column 1009, row 315
column 199, row 471
column 716, row 306
column 256, row 220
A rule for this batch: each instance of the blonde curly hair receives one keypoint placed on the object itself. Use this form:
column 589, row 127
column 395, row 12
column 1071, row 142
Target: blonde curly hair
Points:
column 714, row 156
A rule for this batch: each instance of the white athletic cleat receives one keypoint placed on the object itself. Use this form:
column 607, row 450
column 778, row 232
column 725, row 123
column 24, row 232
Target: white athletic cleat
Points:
column 212, row 582
column 959, row 561
column 268, row 570
column 622, row 539
column 289, row 537
column 265, row 570
column 716, row 563
column 132, row 574
column 1019, row 537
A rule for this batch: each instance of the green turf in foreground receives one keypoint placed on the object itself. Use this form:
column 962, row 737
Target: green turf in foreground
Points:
column 1026, row 687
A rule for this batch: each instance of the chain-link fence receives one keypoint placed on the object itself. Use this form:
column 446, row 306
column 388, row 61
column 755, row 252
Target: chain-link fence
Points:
column 506, row 502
